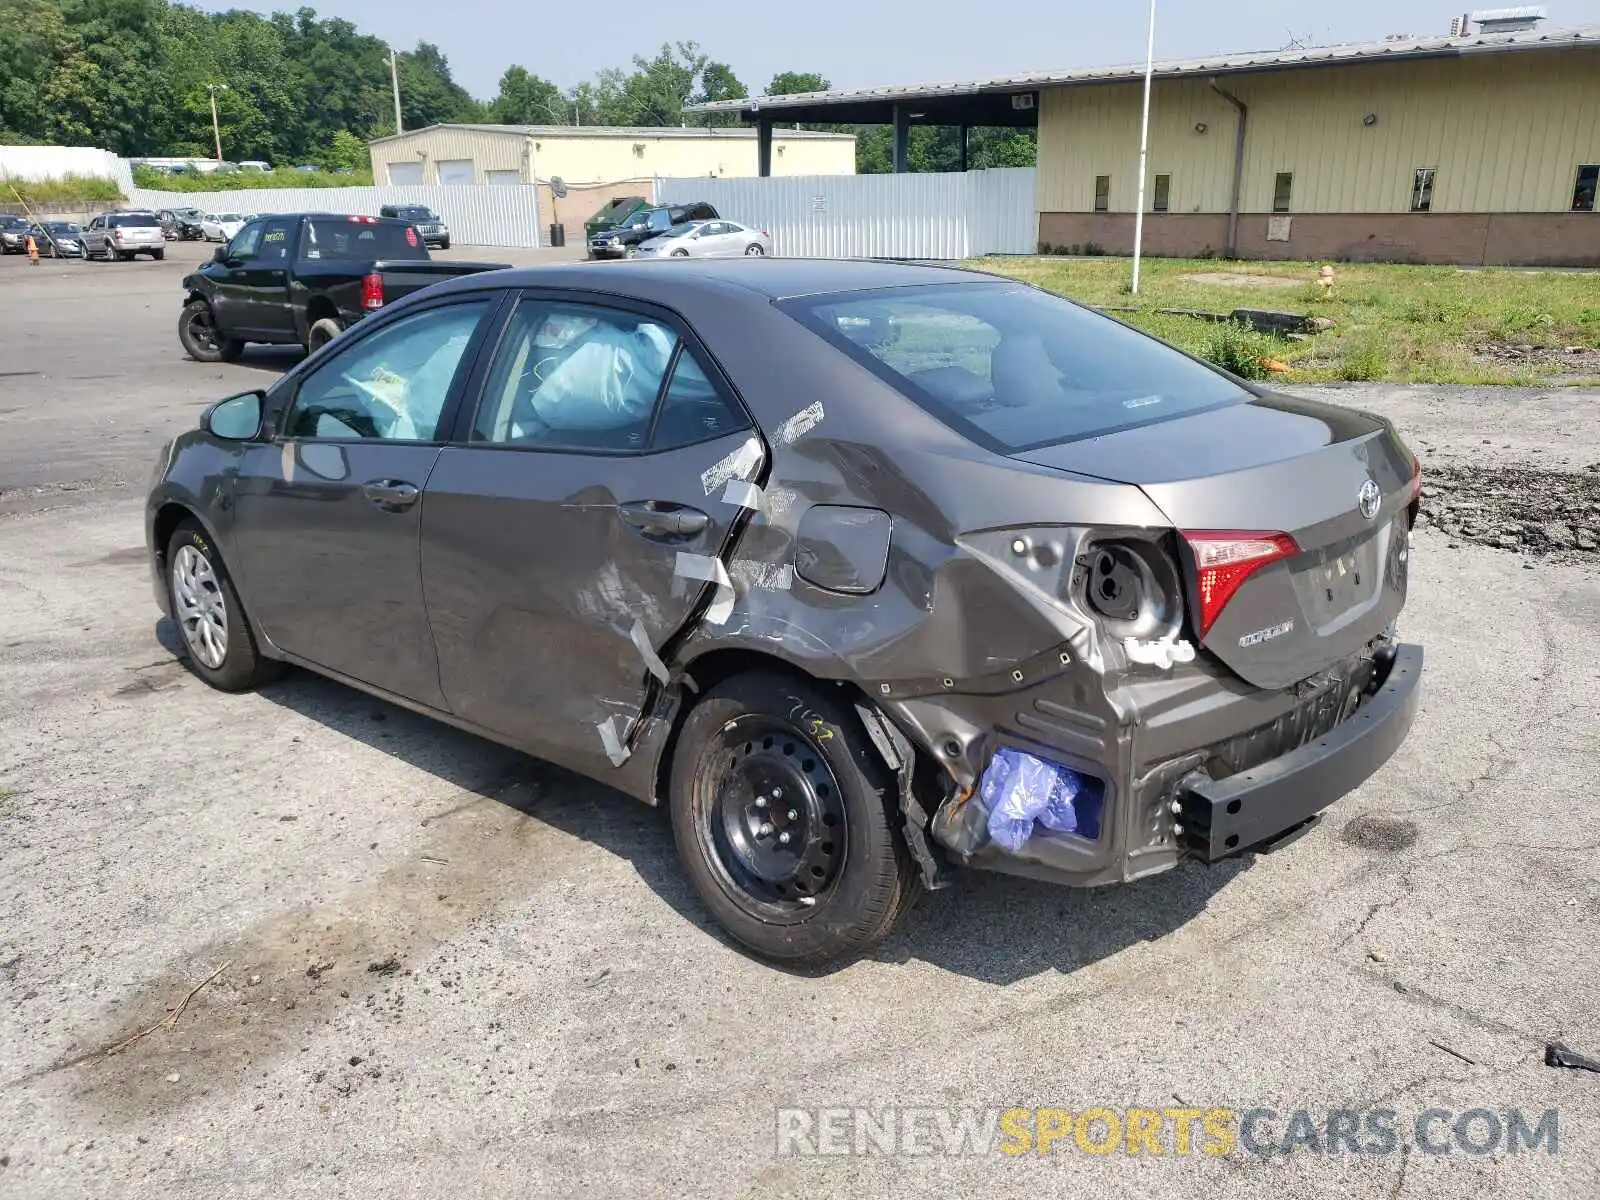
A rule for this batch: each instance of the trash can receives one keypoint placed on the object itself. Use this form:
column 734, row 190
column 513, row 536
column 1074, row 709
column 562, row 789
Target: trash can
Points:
column 558, row 236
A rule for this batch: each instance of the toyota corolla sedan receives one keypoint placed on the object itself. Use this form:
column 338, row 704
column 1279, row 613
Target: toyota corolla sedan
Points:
column 868, row 572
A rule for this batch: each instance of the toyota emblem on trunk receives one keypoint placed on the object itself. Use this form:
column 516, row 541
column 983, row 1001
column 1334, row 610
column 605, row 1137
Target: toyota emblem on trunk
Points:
column 1371, row 499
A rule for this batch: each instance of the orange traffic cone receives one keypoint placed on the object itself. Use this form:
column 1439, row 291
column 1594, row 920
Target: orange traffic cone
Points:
column 33, row 252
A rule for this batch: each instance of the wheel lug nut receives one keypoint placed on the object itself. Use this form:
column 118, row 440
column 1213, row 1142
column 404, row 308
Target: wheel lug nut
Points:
column 783, row 838
column 777, row 793
column 761, row 801
column 793, row 815
column 766, row 829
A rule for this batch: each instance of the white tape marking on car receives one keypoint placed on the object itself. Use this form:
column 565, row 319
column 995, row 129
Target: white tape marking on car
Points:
column 802, row 423
column 779, row 500
column 743, row 495
column 735, row 466
column 615, row 750
column 1163, row 654
column 762, row 575
column 641, row 643
column 710, row 570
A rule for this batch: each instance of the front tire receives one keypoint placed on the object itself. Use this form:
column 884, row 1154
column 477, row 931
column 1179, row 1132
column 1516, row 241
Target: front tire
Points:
column 445, row 245
column 826, row 882
column 217, row 635
column 197, row 330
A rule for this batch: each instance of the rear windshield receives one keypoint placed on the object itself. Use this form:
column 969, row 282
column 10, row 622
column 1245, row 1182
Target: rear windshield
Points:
column 333, row 238
column 1013, row 367
column 132, row 221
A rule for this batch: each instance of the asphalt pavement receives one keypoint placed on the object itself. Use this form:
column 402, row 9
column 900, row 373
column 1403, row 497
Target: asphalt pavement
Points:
column 399, row 961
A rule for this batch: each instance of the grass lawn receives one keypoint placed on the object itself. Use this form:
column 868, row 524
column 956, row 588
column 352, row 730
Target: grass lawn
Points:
column 1401, row 323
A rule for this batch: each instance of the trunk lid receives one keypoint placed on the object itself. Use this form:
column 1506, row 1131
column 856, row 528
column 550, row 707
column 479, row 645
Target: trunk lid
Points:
column 1276, row 465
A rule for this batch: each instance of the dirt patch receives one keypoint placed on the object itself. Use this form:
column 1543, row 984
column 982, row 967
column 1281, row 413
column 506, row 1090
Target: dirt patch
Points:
column 1388, row 835
column 1581, row 361
column 1223, row 279
column 297, row 970
column 1543, row 514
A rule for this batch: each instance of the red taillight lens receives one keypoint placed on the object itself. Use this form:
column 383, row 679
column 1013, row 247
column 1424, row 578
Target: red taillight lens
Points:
column 1224, row 559
column 372, row 292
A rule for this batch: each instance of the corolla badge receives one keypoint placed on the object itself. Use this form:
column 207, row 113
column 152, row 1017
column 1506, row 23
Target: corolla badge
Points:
column 1371, row 499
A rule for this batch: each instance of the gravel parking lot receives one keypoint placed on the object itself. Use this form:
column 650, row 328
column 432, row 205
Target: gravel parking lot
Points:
column 399, row 961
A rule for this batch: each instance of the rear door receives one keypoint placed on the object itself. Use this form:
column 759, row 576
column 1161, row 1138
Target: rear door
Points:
column 328, row 514
column 580, row 525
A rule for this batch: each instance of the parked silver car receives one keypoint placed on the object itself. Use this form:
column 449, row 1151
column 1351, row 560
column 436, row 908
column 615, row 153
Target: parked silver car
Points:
column 121, row 235
column 708, row 239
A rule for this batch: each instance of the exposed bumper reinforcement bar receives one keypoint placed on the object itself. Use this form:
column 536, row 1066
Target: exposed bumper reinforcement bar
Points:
column 1226, row 817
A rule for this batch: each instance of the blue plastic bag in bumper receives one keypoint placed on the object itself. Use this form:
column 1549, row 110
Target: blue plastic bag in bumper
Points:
column 1019, row 790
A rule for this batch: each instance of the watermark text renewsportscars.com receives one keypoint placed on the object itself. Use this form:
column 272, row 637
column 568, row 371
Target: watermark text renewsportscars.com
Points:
column 1158, row 1132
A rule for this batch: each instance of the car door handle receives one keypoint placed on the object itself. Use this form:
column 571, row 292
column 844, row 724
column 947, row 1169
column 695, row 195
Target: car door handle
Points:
column 391, row 495
column 661, row 518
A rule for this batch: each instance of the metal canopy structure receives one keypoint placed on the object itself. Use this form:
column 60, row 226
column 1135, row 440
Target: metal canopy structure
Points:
column 1013, row 101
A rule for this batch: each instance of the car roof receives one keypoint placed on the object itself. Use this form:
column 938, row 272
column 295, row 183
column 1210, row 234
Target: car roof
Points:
column 772, row 277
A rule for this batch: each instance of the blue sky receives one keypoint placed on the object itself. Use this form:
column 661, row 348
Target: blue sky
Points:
column 860, row 43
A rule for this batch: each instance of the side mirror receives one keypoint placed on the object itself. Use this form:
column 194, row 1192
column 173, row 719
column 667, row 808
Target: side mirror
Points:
column 220, row 254
column 236, row 419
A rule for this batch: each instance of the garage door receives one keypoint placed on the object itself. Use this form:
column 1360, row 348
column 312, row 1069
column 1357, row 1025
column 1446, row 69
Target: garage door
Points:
column 455, row 171
column 403, row 173
column 503, row 178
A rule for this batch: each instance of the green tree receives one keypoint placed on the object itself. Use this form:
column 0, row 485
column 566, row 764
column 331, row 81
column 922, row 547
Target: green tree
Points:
column 718, row 82
column 527, row 99
column 346, row 150
column 793, row 83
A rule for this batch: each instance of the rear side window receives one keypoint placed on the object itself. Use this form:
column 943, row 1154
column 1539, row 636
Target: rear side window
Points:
column 133, row 221
column 1014, row 368
column 333, row 238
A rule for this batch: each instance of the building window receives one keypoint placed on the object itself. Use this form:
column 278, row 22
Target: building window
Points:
column 1282, row 190
column 1102, row 193
column 1422, row 190
column 1583, row 192
column 1163, row 193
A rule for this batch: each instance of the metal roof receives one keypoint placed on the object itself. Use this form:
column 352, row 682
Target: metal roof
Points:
column 1216, row 64
column 615, row 131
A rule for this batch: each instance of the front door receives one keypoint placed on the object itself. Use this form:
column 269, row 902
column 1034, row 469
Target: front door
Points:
column 263, row 280
column 581, row 525
column 329, row 513
column 232, row 301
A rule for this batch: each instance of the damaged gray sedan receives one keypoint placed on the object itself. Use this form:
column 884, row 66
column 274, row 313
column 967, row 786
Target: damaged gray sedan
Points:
column 869, row 572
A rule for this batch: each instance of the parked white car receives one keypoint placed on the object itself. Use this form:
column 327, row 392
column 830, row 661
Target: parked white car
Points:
column 220, row 227
column 708, row 239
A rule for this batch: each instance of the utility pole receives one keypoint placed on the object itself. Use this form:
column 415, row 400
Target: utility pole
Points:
column 394, row 79
column 1144, row 148
column 216, row 127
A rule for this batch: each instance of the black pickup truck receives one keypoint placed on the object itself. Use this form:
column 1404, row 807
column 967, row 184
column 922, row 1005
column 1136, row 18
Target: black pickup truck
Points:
column 302, row 278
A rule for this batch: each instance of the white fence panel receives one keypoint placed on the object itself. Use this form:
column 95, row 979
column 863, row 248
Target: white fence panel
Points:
column 933, row 216
column 479, row 215
column 57, row 162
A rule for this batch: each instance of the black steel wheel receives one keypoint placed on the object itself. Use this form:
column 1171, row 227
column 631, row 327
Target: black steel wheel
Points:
column 787, row 820
column 197, row 331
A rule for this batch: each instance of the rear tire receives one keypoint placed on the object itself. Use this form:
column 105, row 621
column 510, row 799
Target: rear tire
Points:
column 216, row 633
column 158, row 255
column 198, row 332
column 754, row 749
column 321, row 333
column 754, row 250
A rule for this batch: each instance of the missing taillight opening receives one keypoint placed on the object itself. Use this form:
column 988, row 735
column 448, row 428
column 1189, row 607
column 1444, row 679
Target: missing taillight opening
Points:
column 1132, row 586
column 1224, row 559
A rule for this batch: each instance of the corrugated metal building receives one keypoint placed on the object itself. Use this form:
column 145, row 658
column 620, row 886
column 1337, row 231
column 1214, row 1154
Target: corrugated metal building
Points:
column 1471, row 149
column 596, row 163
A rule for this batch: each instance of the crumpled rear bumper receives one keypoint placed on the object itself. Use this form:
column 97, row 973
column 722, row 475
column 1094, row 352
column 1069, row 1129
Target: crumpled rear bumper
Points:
column 1224, row 817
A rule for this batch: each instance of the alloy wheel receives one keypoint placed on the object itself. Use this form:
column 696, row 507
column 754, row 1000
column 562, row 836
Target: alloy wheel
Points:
column 201, row 611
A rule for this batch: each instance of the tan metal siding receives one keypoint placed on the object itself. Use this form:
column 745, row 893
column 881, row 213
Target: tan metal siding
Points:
column 487, row 150
column 1505, row 132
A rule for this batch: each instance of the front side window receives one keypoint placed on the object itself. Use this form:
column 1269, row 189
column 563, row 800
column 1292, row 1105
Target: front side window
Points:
column 246, row 242
column 660, row 220
column 392, row 385
column 1012, row 367
column 572, row 376
column 1583, row 192
column 1422, row 189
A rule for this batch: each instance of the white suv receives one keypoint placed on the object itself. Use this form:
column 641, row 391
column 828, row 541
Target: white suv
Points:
column 121, row 235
